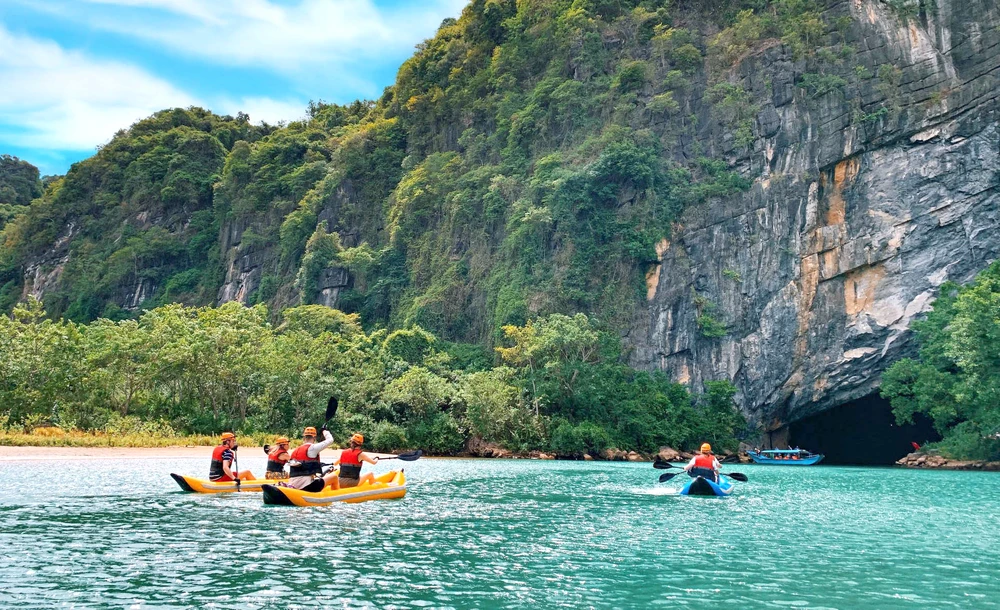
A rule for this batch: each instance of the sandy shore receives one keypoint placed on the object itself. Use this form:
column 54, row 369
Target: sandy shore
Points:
column 9, row 454
column 16, row 454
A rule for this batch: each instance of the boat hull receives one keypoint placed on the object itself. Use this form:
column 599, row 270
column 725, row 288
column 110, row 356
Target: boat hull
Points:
column 700, row 486
column 205, row 486
column 389, row 486
column 807, row 461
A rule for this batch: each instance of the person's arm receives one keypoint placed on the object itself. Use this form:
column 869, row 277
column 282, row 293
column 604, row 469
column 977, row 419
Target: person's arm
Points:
column 716, row 465
column 364, row 457
column 315, row 448
column 690, row 465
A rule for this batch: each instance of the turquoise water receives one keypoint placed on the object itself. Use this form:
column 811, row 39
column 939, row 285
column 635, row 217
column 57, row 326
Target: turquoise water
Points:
column 502, row 534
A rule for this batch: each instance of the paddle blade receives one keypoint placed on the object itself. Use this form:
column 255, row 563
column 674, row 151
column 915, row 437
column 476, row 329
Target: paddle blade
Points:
column 267, row 449
column 661, row 465
column 331, row 407
column 666, row 476
column 410, row 457
column 737, row 476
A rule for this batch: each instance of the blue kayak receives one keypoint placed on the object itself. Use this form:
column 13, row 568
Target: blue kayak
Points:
column 700, row 486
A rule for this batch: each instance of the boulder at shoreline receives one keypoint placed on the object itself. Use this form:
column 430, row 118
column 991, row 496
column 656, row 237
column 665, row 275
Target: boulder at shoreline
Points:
column 931, row 460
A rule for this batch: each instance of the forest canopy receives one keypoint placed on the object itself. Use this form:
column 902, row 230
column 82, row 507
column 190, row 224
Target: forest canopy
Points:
column 558, row 387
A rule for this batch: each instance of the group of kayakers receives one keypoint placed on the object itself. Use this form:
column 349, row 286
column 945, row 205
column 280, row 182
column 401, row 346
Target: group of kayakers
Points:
column 303, row 462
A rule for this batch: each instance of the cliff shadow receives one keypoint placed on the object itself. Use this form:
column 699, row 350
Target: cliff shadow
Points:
column 860, row 432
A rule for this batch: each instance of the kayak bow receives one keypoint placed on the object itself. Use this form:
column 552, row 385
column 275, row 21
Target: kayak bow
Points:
column 206, row 486
column 700, row 486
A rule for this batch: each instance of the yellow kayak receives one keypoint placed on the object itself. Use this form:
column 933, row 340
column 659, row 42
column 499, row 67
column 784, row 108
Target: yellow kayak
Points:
column 389, row 486
column 204, row 486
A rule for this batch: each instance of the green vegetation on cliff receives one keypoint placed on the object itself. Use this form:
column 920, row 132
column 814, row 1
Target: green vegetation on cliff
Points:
column 525, row 162
column 19, row 185
column 524, row 165
column 560, row 386
column 955, row 381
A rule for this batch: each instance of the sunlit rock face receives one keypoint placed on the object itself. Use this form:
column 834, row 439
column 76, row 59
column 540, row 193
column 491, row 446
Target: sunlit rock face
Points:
column 865, row 201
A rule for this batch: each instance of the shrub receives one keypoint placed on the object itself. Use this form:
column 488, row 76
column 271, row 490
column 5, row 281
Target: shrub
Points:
column 439, row 434
column 388, row 437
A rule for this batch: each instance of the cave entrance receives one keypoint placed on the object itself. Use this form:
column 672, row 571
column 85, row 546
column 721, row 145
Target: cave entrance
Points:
column 860, row 432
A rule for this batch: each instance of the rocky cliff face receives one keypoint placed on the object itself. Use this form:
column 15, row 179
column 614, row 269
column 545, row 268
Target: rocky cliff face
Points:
column 866, row 199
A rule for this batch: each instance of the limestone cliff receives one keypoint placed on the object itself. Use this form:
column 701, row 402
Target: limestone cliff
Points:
column 865, row 200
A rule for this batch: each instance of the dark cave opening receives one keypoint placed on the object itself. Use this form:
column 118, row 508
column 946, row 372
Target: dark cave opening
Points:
column 860, row 432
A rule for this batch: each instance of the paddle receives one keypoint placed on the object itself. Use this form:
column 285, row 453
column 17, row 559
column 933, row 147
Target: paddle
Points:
column 661, row 465
column 331, row 409
column 736, row 476
column 412, row 456
column 236, row 465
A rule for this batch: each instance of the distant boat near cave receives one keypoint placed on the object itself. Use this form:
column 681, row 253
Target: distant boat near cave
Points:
column 785, row 457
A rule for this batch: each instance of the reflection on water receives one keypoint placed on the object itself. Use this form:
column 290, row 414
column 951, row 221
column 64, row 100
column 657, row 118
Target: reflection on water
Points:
column 476, row 533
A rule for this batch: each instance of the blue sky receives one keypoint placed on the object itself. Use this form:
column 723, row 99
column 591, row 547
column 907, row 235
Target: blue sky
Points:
column 72, row 72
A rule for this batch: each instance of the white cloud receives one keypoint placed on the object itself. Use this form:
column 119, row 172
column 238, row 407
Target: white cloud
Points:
column 64, row 100
column 264, row 109
column 191, row 8
column 263, row 33
column 54, row 98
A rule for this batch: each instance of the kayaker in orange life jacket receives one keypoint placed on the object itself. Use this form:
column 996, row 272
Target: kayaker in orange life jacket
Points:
column 276, row 460
column 222, row 460
column 350, row 465
column 304, row 465
column 704, row 464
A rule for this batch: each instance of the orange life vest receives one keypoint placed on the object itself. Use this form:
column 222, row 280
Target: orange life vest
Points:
column 307, row 465
column 215, row 470
column 704, row 461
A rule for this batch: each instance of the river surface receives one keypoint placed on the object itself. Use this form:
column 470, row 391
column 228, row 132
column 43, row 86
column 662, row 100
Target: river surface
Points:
column 501, row 534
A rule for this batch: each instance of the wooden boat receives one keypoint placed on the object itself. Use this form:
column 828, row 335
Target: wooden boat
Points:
column 785, row 457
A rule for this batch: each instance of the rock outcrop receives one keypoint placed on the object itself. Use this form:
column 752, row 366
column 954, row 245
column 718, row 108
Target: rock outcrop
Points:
column 923, row 460
column 865, row 201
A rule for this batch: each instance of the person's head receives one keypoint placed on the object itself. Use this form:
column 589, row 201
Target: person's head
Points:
column 228, row 439
column 282, row 443
column 309, row 434
column 706, row 449
column 357, row 440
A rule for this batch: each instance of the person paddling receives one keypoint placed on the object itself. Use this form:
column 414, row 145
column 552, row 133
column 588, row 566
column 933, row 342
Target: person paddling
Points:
column 704, row 464
column 350, row 465
column 222, row 460
column 304, row 465
column 276, row 460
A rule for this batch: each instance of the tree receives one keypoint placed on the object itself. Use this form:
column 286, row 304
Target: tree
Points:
column 955, row 381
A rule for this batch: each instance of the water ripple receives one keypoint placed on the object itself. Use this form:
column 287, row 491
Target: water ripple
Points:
column 503, row 534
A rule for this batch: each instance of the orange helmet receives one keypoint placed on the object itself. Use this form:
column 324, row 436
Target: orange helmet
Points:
column 281, row 441
column 706, row 448
column 358, row 439
column 310, row 431
column 228, row 436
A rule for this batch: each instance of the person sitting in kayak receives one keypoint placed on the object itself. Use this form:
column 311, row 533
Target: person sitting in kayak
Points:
column 304, row 465
column 222, row 459
column 350, row 465
column 276, row 460
column 704, row 464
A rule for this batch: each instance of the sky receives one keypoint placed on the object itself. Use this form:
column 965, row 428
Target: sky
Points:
column 73, row 72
